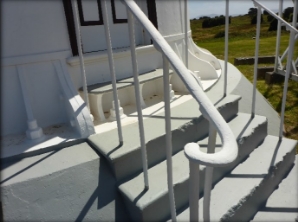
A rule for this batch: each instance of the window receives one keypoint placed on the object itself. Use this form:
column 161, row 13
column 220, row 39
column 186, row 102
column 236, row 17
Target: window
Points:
column 90, row 12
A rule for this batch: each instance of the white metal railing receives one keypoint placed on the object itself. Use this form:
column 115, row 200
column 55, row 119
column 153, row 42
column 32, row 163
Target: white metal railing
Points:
column 290, row 51
column 229, row 149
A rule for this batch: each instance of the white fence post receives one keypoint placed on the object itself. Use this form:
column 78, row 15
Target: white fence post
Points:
column 138, row 96
column 226, row 47
column 166, row 86
column 256, row 62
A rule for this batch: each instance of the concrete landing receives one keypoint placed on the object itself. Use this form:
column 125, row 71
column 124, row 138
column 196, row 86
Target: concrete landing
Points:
column 282, row 205
column 239, row 195
column 69, row 184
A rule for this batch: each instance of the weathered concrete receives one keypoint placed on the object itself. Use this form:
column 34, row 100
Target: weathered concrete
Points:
column 282, row 205
column 143, row 205
column 67, row 184
column 239, row 195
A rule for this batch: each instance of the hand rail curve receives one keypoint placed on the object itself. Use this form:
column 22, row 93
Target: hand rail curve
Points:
column 229, row 151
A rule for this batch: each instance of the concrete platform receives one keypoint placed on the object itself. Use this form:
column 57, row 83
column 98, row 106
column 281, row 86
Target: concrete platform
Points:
column 282, row 205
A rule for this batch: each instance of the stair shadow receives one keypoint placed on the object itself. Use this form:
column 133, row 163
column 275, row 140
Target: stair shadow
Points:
column 105, row 193
column 275, row 153
column 248, row 176
column 280, row 209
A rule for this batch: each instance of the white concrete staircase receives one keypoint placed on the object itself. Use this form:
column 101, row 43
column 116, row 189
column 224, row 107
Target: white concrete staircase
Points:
column 239, row 189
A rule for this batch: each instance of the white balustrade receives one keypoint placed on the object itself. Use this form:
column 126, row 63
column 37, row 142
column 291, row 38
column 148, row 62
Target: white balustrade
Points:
column 229, row 149
column 289, row 52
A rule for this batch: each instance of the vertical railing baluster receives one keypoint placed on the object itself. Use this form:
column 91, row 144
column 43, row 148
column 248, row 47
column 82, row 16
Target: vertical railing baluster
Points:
column 138, row 97
column 79, row 43
column 186, row 32
column 112, row 68
column 208, row 174
column 288, row 69
column 194, row 191
column 166, row 86
column 226, row 47
column 278, row 37
column 256, row 62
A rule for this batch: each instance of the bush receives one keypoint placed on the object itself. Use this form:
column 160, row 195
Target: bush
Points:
column 211, row 22
column 273, row 25
column 220, row 34
column 287, row 12
column 269, row 18
column 253, row 20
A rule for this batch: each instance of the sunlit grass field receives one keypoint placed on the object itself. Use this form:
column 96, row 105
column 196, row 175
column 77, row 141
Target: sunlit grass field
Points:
column 242, row 44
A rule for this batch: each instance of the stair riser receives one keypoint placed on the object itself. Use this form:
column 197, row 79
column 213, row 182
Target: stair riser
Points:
column 249, row 206
column 162, row 205
column 193, row 131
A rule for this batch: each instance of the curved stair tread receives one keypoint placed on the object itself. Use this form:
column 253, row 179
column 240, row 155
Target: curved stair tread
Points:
column 250, row 183
column 147, row 202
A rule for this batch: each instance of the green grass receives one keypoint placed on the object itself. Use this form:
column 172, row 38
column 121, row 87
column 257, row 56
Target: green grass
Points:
column 242, row 44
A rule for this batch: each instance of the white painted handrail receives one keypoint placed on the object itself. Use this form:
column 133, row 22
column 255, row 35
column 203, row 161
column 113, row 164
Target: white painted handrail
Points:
column 289, row 51
column 229, row 150
column 226, row 47
column 289, row 26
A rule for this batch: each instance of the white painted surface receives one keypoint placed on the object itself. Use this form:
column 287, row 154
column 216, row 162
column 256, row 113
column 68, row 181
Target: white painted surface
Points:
column 33, row 27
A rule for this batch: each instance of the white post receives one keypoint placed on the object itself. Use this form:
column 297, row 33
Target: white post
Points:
column 278, row 36
column 194, row 191
column 138, row 97
column 33, row 131
column 256, row 62
column 79, row 43
column 166, row 86
column 226, row 47
column 112, row 68
column 209, row 174
column 288, row 69
column 186, row 32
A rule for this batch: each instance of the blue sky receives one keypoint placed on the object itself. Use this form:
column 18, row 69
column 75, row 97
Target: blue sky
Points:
column 237, row 7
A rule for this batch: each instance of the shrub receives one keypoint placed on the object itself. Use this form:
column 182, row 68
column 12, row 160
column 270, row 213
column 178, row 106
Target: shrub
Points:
column 211, row 22
column 254, row 20
column 273, row 25
column 220, row 34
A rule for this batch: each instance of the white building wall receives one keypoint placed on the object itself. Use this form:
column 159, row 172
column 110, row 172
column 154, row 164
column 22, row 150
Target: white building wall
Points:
column 170, row 16
column 33, row 27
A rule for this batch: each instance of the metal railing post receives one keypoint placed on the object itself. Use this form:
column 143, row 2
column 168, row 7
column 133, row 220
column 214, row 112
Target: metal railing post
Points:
column 79, row 43
column 166, row 86
column 288, row 69
column 112, row 68
column 226, row 47
column 138, row 97
column 194, row 191
column 186, row 32
column 278, row 37
column 209, row 174
column 256, row 62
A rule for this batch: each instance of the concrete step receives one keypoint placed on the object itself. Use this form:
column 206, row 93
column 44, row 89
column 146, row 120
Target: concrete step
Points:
column 153, row 204
column 187, row 125
column 239, row 195
column 282, row 205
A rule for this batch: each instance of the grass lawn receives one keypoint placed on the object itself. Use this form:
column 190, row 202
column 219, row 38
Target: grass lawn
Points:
column 242, row 44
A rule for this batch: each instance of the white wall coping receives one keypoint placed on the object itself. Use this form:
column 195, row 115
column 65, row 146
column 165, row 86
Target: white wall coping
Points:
column 35, row 58
column 102, row 56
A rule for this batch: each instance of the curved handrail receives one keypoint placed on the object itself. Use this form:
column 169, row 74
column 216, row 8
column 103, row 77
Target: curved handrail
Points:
column 229, row 151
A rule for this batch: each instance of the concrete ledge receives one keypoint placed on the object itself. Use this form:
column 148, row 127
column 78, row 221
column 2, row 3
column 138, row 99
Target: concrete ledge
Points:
column 263, row 70
column 251, row 60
